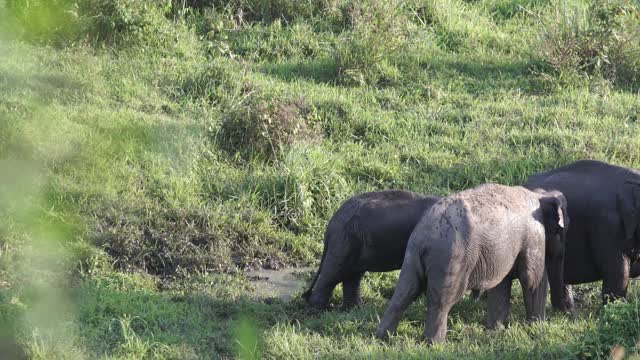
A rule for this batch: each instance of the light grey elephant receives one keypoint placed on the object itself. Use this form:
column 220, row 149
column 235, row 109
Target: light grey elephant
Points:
column 481, row 239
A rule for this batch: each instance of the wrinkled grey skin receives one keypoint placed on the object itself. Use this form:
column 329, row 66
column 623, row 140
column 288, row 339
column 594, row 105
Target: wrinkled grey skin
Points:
column 369, row 232
column 481, row 238
column 603, row 242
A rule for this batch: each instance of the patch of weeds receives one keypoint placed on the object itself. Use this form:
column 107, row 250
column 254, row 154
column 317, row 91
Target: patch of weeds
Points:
column 504, row 10
column 458, row 27
column 599, row 40
column 364, row 55
column 262, row 127
column 214, row 83
column 617, row 331
column 276, row 42
column 301, row 192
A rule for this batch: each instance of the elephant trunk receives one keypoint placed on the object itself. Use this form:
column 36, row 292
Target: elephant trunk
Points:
column 560, row 294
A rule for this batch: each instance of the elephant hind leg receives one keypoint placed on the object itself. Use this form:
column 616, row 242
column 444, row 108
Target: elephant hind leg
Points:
column 435, row 330
column 410, row 285
column 615, row 278
column 351, row 291
column 447, row 287
column 338, row 266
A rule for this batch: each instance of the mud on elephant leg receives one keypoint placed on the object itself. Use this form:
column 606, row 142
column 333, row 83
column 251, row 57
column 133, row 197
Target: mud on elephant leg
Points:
column 351, row 291
column 499, row 303
column 615, row 278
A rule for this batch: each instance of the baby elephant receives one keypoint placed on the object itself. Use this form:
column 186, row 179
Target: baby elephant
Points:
column 369, row 232
column 481, row 238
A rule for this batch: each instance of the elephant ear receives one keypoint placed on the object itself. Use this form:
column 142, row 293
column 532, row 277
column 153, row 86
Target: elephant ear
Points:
column 555, row 213
column 628, row 203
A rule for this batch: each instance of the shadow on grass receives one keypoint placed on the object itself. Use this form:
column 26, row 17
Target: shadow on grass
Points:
column 45, row 86
column 489, row 76
column 320, row 71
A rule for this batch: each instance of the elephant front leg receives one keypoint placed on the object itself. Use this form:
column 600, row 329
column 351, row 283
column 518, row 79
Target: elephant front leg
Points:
column 499, row 303
column 615, row 278
column 351, row 291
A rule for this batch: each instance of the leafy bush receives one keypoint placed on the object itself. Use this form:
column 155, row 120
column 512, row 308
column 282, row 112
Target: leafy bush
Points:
column 377, row 35
column 261, row 127
column 602, row 39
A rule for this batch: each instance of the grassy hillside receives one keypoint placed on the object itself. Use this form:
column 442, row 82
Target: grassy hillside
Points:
column 151, row 151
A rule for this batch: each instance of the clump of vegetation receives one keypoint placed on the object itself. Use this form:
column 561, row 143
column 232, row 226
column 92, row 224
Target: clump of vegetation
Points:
column 377, row 35
column 256, row 10
column 265, row 128
column 600, row 39
column 619, row 324
column 43, row 21
column 178, row 241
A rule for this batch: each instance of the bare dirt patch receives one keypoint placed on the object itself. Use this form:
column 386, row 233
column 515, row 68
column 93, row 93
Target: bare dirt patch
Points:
column 281, row 283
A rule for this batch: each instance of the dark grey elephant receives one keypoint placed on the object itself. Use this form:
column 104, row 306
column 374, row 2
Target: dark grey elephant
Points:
column 603, row 242
column 481, row 238
column 369, row 232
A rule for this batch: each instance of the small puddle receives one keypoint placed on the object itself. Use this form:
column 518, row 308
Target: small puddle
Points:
column 282, row 283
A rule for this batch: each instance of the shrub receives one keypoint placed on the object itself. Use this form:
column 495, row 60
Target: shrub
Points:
column 363, row 54
column 602, row 39
column 265, row 128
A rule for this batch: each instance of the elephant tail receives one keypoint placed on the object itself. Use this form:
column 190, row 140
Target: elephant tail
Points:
column 307, row 294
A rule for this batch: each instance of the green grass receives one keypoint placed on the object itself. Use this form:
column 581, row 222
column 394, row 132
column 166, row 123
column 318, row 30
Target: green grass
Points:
column 129, row 212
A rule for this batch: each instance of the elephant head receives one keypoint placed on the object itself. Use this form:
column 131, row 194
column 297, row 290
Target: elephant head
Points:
column 628, row 203
column 556, row 223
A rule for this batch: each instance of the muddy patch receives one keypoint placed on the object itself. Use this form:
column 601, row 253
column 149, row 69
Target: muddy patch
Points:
column 281, row 284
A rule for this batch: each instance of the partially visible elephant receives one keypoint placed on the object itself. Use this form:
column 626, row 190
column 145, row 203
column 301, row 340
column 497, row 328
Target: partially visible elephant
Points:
column 481, row 238
column 603, row 242
column 369, row 232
